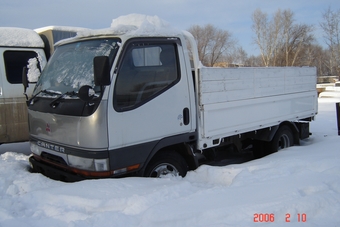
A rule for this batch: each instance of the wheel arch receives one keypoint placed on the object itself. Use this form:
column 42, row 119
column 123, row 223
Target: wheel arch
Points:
column 264, row 143
column 182, row 144
column 268, row 134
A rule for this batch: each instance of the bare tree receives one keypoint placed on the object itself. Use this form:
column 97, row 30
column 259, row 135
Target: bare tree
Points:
column 254, row 61
column 239, row 56
column 267, row 33
column 280, row 40
column 331, row 28
column 318, row 57
column 213, row 44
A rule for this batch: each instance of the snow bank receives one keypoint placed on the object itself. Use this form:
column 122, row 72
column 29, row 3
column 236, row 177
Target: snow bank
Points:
column 329, row 94
column 19, row 37
column 298, row 186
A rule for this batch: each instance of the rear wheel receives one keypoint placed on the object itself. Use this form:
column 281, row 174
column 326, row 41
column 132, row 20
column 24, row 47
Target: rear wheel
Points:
column 167, row 163
column 282, row 139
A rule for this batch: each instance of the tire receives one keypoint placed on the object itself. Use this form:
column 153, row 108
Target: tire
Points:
column 169, row 162
column 283, row 138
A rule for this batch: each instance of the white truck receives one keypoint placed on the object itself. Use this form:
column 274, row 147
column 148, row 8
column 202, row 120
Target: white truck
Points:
column 133, row 100
column 19, row 48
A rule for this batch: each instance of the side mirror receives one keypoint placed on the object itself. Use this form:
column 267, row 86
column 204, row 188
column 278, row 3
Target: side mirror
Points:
column 24, row 78
column 101, row 70
column 25, row 81
column 86, row 93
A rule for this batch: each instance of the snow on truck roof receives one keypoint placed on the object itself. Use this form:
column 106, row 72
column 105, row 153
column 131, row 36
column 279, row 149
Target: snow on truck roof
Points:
column 19, row 37
column 143, row 24
column 134, row 25
column 59, row 28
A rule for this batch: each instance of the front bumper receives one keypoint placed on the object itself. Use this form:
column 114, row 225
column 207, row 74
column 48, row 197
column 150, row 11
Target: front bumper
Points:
column 54, row 172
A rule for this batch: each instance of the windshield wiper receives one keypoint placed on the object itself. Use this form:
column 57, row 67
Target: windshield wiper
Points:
column 32, row 99
column 54, row 101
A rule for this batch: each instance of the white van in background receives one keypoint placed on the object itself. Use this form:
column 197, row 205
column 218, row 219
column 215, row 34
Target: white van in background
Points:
column 17, row 47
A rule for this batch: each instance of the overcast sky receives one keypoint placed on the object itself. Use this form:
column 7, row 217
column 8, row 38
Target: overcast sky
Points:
column 233, row 16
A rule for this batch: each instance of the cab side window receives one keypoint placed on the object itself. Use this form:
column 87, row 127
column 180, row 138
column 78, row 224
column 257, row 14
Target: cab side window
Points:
column 146, row 71
column 15, row 61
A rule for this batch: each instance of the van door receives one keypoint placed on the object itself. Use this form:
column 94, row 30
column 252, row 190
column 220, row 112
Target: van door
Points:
column 3, row 129
column 151, row 96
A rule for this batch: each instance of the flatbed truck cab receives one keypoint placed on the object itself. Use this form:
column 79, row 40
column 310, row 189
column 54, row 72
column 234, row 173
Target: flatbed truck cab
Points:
column 106, row 104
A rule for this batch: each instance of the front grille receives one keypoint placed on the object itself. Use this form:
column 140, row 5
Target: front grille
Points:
column 53, row 158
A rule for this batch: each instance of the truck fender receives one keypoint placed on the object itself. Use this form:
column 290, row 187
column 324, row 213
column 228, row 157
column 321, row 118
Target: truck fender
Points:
column 267, row 141
column 295, row 131
column 268, row 134
column 179, row 144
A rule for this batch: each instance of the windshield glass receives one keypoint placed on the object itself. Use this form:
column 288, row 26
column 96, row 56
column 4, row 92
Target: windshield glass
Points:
column 71, row 66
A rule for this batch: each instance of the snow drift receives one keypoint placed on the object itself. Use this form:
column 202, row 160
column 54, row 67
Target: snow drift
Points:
column 298, row 186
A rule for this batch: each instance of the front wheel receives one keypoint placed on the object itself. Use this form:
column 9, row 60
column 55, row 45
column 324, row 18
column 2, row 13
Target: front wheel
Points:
column 167, row 163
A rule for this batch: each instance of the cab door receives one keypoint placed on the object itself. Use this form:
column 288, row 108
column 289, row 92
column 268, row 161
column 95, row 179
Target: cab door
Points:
column 151, row 96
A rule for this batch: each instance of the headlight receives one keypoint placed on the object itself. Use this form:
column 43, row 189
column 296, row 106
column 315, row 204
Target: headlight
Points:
column 88, row 163
column 101, row 164
column 35, row 149
column 81, row 163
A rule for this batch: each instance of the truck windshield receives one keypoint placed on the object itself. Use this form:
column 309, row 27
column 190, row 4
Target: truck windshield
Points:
column 71, row 66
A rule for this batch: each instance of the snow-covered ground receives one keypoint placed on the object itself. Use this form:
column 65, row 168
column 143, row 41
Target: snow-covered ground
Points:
column 299, row 186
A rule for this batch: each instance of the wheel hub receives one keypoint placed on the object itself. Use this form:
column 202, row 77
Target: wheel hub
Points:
column 163, row 170
column 284, row 142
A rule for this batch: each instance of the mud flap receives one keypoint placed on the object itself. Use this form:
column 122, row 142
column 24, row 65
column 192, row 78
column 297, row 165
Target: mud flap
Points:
column 303, row 128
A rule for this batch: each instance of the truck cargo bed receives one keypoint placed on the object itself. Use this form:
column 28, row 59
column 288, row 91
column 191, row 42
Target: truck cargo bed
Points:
column 233, row 101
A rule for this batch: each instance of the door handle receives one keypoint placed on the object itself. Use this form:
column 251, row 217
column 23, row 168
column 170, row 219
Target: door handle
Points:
column 186, row 116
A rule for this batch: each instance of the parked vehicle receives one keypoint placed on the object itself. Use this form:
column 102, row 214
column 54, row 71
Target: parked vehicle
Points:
column 132, row 102
column 17, row 47
column 21, row 48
